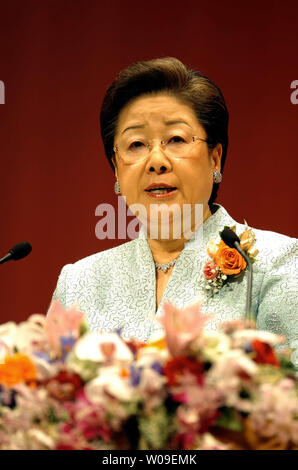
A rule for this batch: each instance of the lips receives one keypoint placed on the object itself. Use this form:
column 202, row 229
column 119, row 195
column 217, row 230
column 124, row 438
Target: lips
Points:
column 161, row 191
column 156, row 186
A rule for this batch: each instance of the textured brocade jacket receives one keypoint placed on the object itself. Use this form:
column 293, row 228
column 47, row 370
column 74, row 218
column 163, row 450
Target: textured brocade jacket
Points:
column 116, row 288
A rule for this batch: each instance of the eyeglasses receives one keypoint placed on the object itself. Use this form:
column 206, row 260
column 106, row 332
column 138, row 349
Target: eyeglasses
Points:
column 134, row 150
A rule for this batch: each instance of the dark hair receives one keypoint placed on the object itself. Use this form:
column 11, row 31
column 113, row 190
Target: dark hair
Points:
column 167, row 75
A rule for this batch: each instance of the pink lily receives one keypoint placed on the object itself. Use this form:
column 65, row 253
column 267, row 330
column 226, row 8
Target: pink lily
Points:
column 182, row 326
column 62, row 322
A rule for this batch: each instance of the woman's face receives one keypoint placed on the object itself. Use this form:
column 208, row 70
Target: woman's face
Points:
column 192, row 175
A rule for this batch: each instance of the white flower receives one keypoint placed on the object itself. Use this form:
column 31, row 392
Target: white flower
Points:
column 214, row 345
column 212, row 248
column 146, row 356
column 151, row 381
column 209, row 442
column 275, row 412
column 91, row 347
column 242, row 336
column 8, row 333
column 44, row 369
column 24, row 335
column 157, row 335
column 236, row 359
column 40, row 439
column 109, row 380
column 224, row 377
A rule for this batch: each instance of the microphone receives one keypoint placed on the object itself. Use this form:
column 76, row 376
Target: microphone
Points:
column 19, row 251
column 233, row 241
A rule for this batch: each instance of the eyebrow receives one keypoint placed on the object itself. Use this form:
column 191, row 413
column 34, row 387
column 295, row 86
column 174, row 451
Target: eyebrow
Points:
column 168, row 123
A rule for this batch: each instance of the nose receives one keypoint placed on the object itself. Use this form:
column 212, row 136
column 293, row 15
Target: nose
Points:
column 158, row 161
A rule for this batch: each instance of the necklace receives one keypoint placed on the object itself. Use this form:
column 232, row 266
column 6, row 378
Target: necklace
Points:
column 165, row 267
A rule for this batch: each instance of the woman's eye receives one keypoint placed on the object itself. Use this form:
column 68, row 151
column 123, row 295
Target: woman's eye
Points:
column 135, row 145
column 177, row 139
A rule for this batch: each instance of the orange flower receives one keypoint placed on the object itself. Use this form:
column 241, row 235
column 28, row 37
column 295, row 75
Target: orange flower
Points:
column 229, row 260
column 124, row 372
column 158, row 344
column 16, row 369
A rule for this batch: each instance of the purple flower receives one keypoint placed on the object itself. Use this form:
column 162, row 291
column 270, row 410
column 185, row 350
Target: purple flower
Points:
column 135, row 375
column 67, row 342
column 43, row 355
column 157, row 367
column 118, row 331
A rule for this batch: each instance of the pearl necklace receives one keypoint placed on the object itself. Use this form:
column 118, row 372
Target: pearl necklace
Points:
column 165, row 267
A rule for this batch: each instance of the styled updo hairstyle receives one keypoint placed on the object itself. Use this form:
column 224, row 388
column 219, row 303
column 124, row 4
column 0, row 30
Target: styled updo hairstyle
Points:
column 167, row 75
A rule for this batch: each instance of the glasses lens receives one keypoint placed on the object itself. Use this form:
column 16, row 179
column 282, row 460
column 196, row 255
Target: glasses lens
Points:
column 133, row 150
column 178, row 146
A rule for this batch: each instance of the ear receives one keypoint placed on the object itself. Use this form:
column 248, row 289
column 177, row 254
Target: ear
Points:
column 216, row 155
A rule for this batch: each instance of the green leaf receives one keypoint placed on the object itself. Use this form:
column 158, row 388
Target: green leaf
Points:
column 156, row 428
column 52, row 417
column 286, row 364
column 229, row 419
column 84, row 327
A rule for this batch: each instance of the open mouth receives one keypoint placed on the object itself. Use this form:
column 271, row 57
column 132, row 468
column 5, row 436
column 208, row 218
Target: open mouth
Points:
column 160, row 190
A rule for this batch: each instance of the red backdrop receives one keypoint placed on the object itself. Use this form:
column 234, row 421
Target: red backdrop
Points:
column 56, row 60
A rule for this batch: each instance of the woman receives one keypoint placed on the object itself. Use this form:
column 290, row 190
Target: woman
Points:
column 166, row 125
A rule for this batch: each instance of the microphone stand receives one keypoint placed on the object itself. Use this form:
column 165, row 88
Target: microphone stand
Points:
column 7, row 257
column 248, row 312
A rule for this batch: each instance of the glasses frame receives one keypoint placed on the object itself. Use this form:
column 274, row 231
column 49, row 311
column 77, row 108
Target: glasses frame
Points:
column 162, row 143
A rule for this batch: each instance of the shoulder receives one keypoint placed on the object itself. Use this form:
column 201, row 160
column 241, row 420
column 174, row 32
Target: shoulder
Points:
column 103, row 261
column 88, row 280
column 275, row 242
column 273, row 248
column 278, row 254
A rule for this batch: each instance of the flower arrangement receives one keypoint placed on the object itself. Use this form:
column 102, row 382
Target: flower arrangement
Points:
column 227, row 263
column 64, row 387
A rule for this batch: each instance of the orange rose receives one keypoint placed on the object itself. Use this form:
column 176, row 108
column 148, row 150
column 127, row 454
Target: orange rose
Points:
column 229, row 260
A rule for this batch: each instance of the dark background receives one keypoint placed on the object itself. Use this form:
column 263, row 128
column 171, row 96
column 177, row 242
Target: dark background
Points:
column 57, row 59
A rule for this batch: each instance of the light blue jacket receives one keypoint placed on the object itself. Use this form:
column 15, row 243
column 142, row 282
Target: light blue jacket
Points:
column 116, row 288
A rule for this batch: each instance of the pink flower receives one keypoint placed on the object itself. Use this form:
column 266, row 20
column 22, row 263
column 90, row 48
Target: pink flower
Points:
column 196, row 419
column 182, row 326
column 62, row 322
column 211, row 270
column 86, row 419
